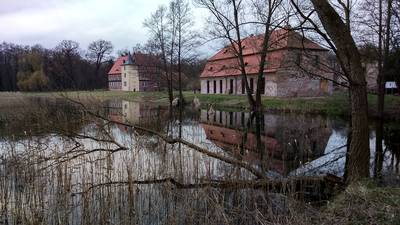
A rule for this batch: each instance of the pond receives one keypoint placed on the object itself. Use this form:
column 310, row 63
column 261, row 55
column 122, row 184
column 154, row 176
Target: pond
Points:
column 109, row 162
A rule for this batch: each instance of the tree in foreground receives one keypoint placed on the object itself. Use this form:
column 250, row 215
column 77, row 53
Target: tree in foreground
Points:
column 337, row 33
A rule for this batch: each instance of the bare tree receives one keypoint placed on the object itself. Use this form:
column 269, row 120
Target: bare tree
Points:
column 186, row 37
column 159, row 28
column 98, row 52
column 66, row 51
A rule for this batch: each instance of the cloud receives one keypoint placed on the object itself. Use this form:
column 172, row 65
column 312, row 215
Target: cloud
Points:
column 48, row 22
column 119, row 21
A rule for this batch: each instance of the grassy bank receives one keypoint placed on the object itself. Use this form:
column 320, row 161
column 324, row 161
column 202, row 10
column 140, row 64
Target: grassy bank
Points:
column 334, row 105
column 364, row 203
column 361, row 203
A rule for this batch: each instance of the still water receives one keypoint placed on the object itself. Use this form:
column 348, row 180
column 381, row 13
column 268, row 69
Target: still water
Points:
column 62, row 164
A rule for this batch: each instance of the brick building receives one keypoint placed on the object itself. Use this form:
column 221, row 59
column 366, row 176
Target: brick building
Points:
column 137, row 72
column 295, row 66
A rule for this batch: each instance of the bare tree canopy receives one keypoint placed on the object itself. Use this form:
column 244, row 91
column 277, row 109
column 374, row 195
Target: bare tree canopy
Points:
column 99, row 50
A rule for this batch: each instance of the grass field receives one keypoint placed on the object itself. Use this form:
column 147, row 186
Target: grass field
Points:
column 334, row 105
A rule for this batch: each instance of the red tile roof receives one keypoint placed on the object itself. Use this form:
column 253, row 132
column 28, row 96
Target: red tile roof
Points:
column 139, row 59
column 225, row 63
column 116, row 68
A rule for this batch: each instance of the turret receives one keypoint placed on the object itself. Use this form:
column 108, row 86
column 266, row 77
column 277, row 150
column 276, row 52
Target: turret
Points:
column 130, row 78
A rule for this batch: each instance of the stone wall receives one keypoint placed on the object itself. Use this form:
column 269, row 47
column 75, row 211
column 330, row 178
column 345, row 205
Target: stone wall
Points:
column 130, row 78
column 302, row 74
column 371, row 76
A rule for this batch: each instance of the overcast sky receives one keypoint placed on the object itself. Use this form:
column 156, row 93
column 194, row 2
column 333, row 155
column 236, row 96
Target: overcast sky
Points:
column 47, row 22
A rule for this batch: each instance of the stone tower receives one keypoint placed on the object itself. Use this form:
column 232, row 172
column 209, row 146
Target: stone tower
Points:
column 130, row 75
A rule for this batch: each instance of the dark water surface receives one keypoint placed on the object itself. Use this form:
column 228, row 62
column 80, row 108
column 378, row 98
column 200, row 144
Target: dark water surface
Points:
column 60, row 164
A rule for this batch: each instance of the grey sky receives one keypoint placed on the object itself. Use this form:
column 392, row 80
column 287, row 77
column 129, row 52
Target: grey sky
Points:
column 47, row 22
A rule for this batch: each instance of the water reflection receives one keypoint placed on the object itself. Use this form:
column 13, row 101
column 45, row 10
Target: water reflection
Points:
column 289, row 140
column 74, row 172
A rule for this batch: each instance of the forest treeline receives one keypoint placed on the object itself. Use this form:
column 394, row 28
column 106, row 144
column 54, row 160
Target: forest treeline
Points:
column 69, row 67
column 65, row 67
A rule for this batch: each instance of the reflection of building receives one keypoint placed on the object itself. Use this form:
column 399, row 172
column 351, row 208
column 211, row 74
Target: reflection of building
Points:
column 137, row 72
column 135, row 113
column 290, row 60
column 138, row 113
column 289, row 141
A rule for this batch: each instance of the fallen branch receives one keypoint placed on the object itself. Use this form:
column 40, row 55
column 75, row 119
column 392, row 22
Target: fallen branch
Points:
column 291, row 185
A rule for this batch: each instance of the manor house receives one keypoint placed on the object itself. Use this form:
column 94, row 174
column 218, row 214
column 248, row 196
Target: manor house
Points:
column 295, row 66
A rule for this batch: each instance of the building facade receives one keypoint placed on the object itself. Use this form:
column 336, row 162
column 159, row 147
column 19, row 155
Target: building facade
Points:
column 137, row 72
column 295, row 66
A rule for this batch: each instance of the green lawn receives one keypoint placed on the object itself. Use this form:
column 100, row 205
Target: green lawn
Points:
column 334, row 105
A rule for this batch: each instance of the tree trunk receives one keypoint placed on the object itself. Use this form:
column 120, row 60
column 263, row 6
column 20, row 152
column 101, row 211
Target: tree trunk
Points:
column 358, row 151
column 381, row 80
column 242, row 65
column 338, row 31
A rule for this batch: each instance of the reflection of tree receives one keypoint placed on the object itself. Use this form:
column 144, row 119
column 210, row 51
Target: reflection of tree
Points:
column 392, row 141
column 39, row 117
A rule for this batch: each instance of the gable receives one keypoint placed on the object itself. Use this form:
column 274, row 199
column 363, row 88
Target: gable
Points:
column 116, row 68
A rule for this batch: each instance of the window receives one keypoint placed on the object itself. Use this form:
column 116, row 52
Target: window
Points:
column 208, row 87
column 125, row 83
column 316, row 60
column 125, row 75
column 243, row 86
column 220, row 86
column 263, row 86
column 215, row 86
column 251, row 85
column 231, row 86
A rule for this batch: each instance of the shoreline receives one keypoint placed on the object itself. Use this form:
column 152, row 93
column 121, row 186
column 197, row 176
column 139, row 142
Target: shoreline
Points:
column 335, row 105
